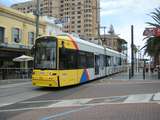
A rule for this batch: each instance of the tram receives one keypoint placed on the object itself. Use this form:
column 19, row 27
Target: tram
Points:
column 66, row 60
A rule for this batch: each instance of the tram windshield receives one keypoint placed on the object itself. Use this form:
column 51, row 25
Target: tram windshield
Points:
column 45, row 53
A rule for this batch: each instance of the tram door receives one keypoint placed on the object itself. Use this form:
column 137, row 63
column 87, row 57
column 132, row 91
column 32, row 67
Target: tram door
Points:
column 97, row 64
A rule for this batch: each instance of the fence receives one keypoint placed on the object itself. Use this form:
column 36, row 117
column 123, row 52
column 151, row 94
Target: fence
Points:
column 15, row 73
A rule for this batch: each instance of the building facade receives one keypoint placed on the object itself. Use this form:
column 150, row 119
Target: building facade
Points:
column 47, row 7
column 83, row 16
column 17, row 34
column 114, row 42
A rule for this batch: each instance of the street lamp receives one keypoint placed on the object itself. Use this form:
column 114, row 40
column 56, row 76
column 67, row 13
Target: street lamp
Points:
column 37, row 13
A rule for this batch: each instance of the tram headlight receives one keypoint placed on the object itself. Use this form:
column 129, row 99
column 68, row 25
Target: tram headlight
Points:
column 52, row 74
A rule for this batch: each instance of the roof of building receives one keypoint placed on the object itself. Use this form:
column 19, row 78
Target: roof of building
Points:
column 16, row 13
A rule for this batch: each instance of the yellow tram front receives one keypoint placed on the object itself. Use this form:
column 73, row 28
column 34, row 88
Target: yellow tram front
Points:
column 45, row 62
column 55, row 62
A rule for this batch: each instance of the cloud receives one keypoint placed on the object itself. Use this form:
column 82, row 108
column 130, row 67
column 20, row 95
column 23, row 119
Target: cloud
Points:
column 124, row 6
column 10, row 2
column 124, row 13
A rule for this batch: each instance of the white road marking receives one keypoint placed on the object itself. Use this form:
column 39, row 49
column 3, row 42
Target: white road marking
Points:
column 14, row 85
column 19, row 97
column 5, row 104
column 23, row 109
column 140, row 98
column 156, row 97
column 67, row 103
column 93, row 98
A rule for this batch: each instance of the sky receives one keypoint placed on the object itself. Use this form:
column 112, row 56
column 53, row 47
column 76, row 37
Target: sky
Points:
column 122, row 14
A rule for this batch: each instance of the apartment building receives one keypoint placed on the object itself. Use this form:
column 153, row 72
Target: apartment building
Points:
column 47, row 7
column 83, row 16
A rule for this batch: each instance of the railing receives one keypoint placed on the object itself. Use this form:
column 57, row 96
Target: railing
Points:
column 15, row 73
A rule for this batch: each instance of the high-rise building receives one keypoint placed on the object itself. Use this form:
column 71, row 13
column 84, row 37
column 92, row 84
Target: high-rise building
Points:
column 47, row 7
column 83, row 16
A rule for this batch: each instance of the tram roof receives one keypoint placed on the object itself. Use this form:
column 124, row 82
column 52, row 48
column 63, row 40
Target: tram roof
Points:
column 81, row 41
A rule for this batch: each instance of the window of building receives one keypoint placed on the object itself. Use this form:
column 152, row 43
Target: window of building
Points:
column 79, row 8
column 73, row 22
column 1, row 34
column 16, row 35
column 79, row 26
column 79, row 12
column 78, row 17
column 79, row 21
column 73, row 4
column 31, row 38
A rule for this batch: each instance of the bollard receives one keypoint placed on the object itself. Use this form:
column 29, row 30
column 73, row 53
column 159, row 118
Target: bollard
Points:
column 130, row 73
column 159, row 73
column 143, row 73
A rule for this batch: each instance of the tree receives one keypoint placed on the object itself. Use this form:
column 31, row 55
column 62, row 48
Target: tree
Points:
column 152, row 45
column 156, row 17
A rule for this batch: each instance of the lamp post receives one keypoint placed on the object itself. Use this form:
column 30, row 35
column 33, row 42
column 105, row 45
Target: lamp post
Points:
column 37, row 13
column 104, row 30
column 132, row 52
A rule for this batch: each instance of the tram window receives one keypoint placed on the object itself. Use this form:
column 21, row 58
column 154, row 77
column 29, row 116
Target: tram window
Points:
column 67, row 59
column 90, row 60
column 119, row 61
column 82, row 59
column 108, row 60
column 102, row 62
column 85, row 60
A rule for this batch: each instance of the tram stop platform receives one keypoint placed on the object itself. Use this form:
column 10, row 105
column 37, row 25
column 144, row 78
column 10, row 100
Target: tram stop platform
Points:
column 138, row 75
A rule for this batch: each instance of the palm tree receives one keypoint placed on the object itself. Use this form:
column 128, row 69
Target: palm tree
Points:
column 156, row 17
column 152, row 46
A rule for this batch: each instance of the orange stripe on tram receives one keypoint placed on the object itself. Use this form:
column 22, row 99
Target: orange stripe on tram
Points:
column 73, row 41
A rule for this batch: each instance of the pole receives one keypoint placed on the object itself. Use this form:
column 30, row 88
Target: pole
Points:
column 132, row 52
column 104, row 30
column 37, row 18
column 98, row 21
column 144, row 70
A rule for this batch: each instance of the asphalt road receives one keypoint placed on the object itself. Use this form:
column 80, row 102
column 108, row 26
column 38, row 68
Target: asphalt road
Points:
column 104, row 99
